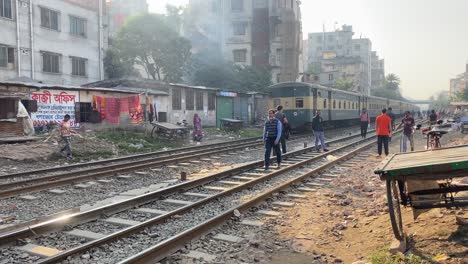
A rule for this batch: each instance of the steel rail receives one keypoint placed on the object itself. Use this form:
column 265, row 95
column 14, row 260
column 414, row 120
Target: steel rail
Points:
column 57, row 224
column 161, row 219
column 143, row 155
column 171, row 245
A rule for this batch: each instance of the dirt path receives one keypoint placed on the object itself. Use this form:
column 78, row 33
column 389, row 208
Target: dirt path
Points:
column 349, row 223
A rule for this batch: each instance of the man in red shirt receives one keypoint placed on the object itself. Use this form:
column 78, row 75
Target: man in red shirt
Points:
column 383, row 129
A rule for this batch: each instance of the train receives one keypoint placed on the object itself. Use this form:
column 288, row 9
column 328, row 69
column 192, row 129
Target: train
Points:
column 338, row 108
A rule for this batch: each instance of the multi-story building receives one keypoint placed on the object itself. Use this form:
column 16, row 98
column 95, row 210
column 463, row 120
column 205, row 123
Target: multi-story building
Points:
column 120, row 10
column 259, row 33
column 53, row 41
column 378, row 71
column 341, row 46
column 459, row 84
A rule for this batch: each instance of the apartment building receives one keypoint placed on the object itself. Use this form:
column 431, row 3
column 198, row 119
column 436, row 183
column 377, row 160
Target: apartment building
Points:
column 459, row 83
column 52, row 41
column 259, row 33
column 340, row 46
column 377, row 71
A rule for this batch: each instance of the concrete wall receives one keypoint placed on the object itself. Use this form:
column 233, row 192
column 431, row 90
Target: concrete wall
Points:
column 61, row 42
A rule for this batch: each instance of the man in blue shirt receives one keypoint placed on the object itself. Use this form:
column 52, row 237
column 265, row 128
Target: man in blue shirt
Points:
column 271, row 136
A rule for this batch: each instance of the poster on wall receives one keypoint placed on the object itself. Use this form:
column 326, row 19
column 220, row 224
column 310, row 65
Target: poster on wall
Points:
column 53, row 105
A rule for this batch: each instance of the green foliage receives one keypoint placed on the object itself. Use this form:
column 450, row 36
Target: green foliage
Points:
column 461, row 96
column 148, row 40
column 382, row 256
column 390, row 88
column 117, row 66
column 314, row 68
column 439, row 101
column 209, row 69
column 133, row 142
column 344, row 84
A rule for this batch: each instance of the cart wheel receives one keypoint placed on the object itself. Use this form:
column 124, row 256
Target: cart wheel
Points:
column 393, row 200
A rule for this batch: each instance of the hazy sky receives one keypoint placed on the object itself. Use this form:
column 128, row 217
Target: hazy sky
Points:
column 425, row 42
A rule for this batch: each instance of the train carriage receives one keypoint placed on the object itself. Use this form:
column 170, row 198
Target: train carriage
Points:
column 338, row 108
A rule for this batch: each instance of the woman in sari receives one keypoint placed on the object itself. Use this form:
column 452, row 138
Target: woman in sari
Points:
column 197, row 128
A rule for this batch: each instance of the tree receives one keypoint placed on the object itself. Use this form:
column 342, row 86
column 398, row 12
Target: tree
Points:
column 344, row 84
column 148, row 41
column 209, row 69
column 116, row 66
column 392, row 81
column 390, row 88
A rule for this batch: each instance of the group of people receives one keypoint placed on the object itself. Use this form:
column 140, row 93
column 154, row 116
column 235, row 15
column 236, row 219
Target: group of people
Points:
column 277, row 130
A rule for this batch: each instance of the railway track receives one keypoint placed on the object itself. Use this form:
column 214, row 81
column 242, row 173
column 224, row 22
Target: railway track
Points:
column 150, row 216
column 32, row 181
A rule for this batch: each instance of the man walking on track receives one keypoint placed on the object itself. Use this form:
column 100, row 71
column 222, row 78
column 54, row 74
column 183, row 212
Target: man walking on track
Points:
column 284, row 122
column 271, row 136
column 383, row 129
column 408, row 124
column 317, row 126
column 365, row 121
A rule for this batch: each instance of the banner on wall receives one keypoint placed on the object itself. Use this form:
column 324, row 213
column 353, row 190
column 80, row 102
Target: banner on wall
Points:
column 53, row 105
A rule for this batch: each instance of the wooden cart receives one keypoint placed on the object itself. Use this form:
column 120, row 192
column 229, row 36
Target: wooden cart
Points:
column 439, row 165
column 169, row 130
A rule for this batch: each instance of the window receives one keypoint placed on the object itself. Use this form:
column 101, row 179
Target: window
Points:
column 339, row 104
column 78, row 66
column 299, row 102
column 49, row 19
column 324, row 103
column 211, row 101
column 199, row 100
column 189, row 99
column 334, row 104
column 276, row 102
column 7, row 108
column 344, row 105
column 77, row 26
column 50, row 62
column 330, row 77
column 278, row 56
column 237, row 5
column 238, row 28
column 240, row 55
column 5, row 8
column 357, row 47
column 260, row 3
column 85, row 112
column 5, row 56
column 278, row 77
column 176, row 99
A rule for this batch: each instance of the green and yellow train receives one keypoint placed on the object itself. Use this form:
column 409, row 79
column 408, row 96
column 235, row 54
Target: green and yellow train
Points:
column 300, row 101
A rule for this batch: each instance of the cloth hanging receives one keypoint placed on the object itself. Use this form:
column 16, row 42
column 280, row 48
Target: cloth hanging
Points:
column 112, row 110
column 135, row 110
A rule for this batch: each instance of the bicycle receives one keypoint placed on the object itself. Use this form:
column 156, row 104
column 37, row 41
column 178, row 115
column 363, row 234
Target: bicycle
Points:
column 433, row 138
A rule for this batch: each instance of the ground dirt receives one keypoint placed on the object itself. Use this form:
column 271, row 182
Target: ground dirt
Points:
column 349, row 223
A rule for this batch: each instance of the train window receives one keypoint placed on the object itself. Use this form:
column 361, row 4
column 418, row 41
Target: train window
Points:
column 324, row 103
column 299, row 102
column 334, row 104
column 319, row 94
column 276, row 102
column 349, row 105
column 344, row 105
column 339, row 104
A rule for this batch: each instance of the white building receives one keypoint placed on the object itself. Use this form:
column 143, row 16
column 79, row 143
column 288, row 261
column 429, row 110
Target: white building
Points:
column 53, row 41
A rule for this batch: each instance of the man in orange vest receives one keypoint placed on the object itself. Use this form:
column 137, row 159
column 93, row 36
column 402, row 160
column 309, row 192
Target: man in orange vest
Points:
column 383, row 129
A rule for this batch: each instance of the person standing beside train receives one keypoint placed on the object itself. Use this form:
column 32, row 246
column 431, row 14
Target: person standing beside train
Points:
column 271, row 136
column 383, row 129
column 392, row 117
column 365, row 121
column 317, row 127
column 284, row 122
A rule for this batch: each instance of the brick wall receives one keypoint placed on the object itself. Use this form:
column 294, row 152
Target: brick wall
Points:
column 11, row 129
